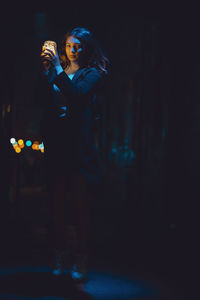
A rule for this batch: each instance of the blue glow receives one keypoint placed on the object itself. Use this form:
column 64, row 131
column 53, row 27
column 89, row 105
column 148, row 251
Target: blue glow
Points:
column 114, row 150
column 100, row 285
column 64, row 109
column 109, row 285
column 28, row 143
column 24, row 269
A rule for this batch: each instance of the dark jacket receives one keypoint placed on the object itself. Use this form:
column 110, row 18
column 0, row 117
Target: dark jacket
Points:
column 70, row 141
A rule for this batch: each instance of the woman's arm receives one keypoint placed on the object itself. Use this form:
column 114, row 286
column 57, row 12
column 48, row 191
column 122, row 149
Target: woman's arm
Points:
column 76, row 90
column 80, row 88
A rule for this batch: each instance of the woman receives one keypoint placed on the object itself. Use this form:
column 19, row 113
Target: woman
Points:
column 73, row 82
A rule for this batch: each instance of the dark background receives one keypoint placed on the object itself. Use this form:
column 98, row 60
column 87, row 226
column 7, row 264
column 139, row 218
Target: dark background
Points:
column 148, row 212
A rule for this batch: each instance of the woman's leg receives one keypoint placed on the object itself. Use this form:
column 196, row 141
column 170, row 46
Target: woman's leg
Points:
column 79, row 194
column 58, row 196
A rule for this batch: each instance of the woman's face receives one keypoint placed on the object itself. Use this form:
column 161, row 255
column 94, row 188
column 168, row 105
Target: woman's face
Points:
column 73, row 49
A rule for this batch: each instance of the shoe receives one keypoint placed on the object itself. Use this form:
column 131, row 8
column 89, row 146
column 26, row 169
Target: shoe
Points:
column 79, row 268
column 60, row 263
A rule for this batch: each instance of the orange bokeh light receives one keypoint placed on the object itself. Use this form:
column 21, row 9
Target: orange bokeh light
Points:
column 18, row 150
column 35, row 146
column 20, row 142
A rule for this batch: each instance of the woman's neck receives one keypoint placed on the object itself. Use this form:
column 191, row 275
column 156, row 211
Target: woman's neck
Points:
column 72, row 68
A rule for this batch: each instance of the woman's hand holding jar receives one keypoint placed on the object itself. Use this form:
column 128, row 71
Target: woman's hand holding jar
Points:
column 50, row 57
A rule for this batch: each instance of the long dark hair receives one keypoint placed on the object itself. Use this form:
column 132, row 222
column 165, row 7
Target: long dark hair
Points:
column 92, row 55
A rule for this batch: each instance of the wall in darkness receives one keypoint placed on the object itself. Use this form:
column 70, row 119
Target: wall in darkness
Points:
column 152, row 109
